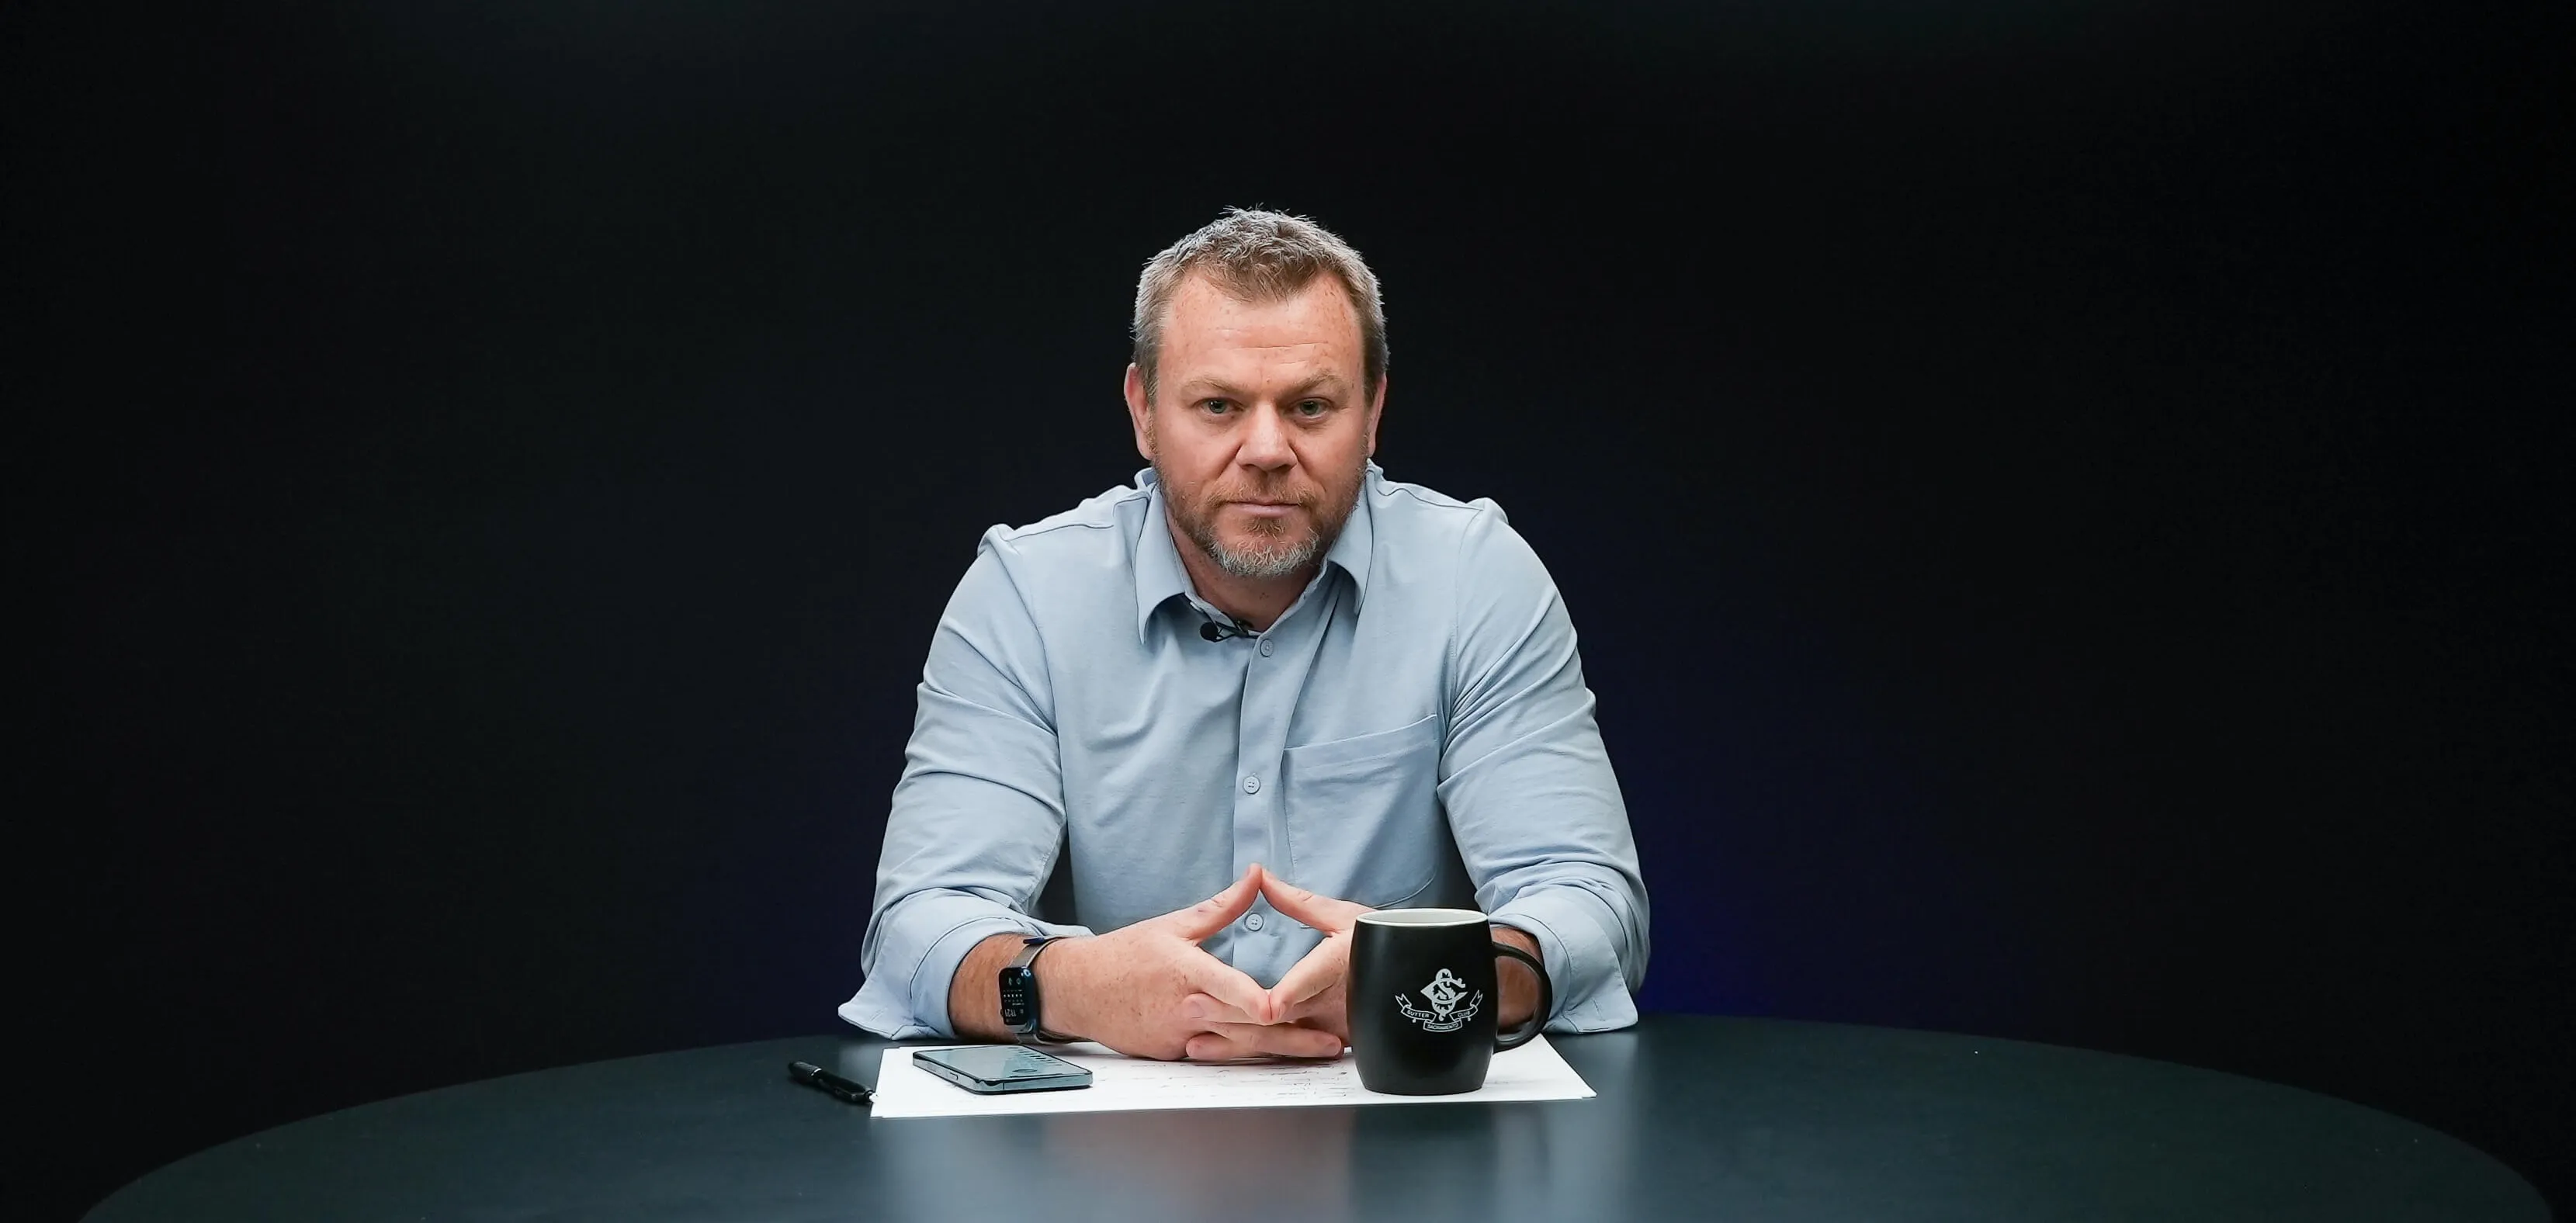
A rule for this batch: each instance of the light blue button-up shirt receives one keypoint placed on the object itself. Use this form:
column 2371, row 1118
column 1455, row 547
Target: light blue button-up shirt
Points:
column 1413, row 731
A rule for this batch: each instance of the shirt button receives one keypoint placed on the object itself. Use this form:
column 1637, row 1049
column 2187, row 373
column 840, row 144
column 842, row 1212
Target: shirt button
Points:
column 1252, row 921
column 1252, row 785
column 1265, row 649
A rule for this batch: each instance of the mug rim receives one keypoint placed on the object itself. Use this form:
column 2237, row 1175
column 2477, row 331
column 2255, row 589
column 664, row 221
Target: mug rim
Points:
column 1420, row 919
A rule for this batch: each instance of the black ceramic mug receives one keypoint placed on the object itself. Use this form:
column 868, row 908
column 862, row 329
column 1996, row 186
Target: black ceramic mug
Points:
column 1422, row 1000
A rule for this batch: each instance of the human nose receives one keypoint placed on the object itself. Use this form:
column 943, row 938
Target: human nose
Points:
column 1265, row 443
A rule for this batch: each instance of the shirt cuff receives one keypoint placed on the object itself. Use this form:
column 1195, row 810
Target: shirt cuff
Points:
column 1582, row 963
column 906, row 996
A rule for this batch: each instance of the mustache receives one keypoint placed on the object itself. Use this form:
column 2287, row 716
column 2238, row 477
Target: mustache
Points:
column 1307, row 498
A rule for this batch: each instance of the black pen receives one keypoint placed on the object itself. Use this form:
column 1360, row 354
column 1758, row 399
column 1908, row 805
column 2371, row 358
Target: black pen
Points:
column 815, row 1076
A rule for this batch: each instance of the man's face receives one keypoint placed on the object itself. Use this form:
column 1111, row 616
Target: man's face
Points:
column 1259, row 431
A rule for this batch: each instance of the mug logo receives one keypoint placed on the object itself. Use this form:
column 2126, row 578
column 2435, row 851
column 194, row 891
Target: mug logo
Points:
column 1443, row 994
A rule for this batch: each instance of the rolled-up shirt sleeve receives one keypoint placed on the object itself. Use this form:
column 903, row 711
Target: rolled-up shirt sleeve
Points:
column 1528, row 788
column 978, row 816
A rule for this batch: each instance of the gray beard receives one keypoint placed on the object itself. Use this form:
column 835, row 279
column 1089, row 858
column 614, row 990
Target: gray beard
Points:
column 1276, row 558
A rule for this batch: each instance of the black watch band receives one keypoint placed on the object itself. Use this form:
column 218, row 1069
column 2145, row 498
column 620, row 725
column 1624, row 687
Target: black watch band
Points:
column 1023, row 1011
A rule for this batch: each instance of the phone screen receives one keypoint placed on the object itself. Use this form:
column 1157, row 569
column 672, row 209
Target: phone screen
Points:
column 1001, row 1063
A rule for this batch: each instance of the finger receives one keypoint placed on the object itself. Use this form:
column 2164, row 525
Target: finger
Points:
column 1262, row 1041
column 1229, row 1040
column 1210, row 1047
column 1327, row 1014
column 1227, row 984
column 1211, row 915
column 1319, row 971
column 1210, row 1008
column 1322, row 912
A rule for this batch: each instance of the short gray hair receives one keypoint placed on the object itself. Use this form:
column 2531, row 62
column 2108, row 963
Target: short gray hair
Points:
column 1259, row 256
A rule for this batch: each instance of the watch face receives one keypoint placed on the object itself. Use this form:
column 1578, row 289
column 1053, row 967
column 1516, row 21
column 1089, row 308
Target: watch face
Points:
column 1019, row 999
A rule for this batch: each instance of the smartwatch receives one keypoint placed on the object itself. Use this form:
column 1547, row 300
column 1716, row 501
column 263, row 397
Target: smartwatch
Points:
column 1021, row 1010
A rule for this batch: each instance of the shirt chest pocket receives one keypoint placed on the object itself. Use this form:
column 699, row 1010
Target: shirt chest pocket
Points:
column 1363, row 814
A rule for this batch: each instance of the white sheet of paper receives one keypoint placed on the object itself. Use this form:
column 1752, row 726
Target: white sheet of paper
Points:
column 1534, row 1071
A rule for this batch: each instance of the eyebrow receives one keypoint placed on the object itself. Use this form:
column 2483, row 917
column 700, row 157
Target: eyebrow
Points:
column 1195, row 387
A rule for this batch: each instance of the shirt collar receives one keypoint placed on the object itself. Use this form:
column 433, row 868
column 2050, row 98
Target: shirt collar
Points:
column 1160, row 577
column 1358, row 543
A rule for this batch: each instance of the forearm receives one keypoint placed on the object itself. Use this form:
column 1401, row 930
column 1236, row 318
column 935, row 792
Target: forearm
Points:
column 1519, row 986
column 1064, row 989
column 974, row 993
column 1591, row 938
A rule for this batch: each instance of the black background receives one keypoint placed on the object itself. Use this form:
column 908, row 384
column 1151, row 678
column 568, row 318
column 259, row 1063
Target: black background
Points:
column 2065, row 504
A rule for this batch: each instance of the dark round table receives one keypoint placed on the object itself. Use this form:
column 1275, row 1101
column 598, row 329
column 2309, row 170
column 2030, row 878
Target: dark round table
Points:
column 1696, row 1117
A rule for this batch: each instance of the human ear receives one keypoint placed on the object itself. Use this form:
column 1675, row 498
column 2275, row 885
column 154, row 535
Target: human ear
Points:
column 1377, row 408
column 1139, row 412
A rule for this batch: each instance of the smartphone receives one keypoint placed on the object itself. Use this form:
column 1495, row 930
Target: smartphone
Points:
column 992, row 1069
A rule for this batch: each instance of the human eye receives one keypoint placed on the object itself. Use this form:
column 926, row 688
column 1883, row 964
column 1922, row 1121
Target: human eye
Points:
column 1312, row 408
column 1214, row 407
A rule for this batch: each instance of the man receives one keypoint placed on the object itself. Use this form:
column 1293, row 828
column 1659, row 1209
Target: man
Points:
column 1265, row 662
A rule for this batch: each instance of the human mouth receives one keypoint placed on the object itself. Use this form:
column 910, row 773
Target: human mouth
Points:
column 1267, row 509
